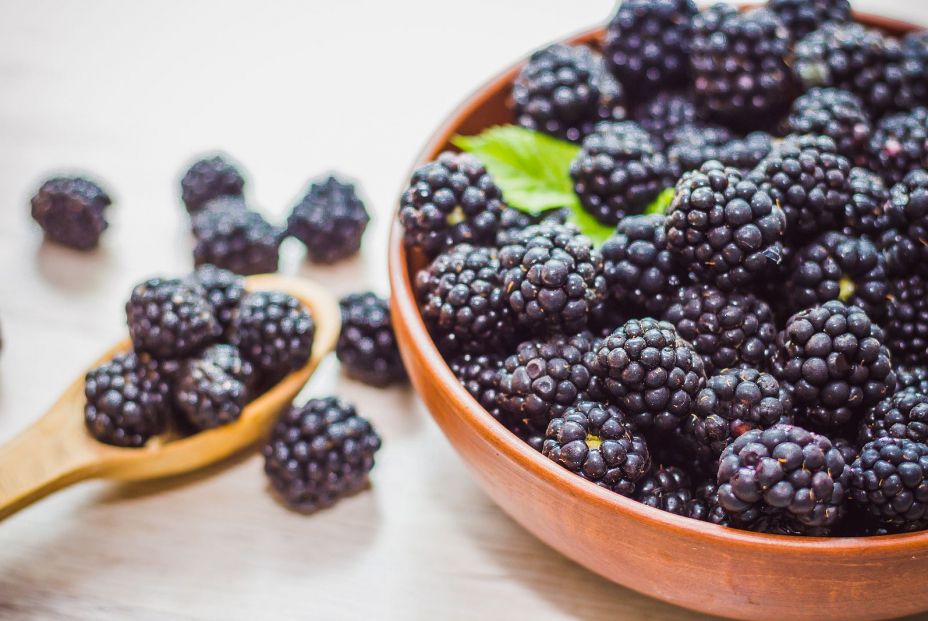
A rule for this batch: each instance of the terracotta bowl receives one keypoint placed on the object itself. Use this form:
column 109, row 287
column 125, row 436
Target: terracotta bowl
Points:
column 697, row 565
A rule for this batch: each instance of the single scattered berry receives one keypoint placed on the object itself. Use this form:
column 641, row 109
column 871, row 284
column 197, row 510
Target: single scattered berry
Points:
column 890, row 481
column 213, row 388
column 903, row 415
column 71, row 211
column 319, row 453
column 235, row 238
column 170, row 318
column 273, row 331
column 803, row 16
column 899, row 144
column 210, row 178
column 330, row 220
column 695, row 145
column 907, row 320
column 366, row 345
column 865, row 214
column 224, row 290
column 835, row 113
column 915, row 377
column 665, row 114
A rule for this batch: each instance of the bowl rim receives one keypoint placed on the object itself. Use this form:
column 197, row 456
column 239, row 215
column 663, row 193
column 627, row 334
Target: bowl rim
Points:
column 530, row 460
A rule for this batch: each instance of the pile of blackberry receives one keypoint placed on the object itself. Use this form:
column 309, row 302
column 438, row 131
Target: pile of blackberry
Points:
column 756, row 355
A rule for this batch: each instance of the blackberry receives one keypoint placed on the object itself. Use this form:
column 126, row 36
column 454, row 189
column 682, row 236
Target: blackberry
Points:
column 462, row 300
column 668, row 489
column 785, row 469
column 731, row 330
column 835, row 113
column 807, row 178
column 903, row 415
column 803, row 16
column 865, row 214
column 552, row 277
column 899, row 144
column 170, row 318
column 330, row 220
column 449, row 201
column 915, row 377
column 128, row 400
column 739, row 64
column 319, row 453
column 907, row 320
column 238, row 240
column 480, row 375
column 273, row 331
column 648, row 42
column 724, row 228
column 834, row 361
column 890, row 481
column 915, row 51
column 366, row 345
column 564, row 90
column 640, row 271
column 210, row 178
column 907, row 211
column 224, row 290
column 696, row 145
column 664, row 115
column 652, row 373
column 70, row 211
column 593, row 440
column 213, row 388
column 512, row 221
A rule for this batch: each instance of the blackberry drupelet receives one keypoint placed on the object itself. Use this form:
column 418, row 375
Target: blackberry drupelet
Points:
column 803, row 16
column 664, row 115
column 739, row 64
column 727, row 330
column 890, row 481
column 224, row 290
column 834, row 361
column 70, row 211
column 648, row 42
column 128, row 400
column 235, row 239
column 463, row 303
column 915, row 377
column 480, row 375
column 593, row 440
column 213, row 388
column 640, row 271
column 651, row 373
column 330, row 220
column 617, row 173
column 835, row 113
column 903, row 415
column 449, row 201
column 865, row 214
column 273, row 331
column 784, row 469
column 319, row 453
column 170, row 318
column 564, row 90
column 724, row 228
column 696, row 145
column 907, row 211
column 899, row 144
column 210, row 178
column 552, row 277
column 907, row 320
column 366, row 345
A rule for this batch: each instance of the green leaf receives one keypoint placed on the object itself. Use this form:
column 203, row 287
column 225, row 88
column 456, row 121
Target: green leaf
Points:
column 661, row 203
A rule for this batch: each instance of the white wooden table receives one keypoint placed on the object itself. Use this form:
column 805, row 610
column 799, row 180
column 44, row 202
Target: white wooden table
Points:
column 129, row 92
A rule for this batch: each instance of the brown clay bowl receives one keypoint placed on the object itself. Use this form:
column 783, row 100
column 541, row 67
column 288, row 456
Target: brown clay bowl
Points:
column 693, row 564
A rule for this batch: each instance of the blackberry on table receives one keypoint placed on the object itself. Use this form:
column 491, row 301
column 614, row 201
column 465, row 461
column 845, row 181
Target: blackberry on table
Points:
column 319, row 453
column 128, row 400
column 665, row 114
column 803, row 16
column 648, row 42
column 235, row 239
column 865, row 214
column 724, row 228
column 366, row 345
column 70, row 211
column 890, row 481
column 915, row 377
column 903, row 415
column 273, row 331
column 835, row 363
column 899, row 144
column 330, row 221
column 835, row 113
column 213, row 388
column 694, row 146
column 907, row 212
column 593, row 440
column 170, row 318
column 564, row 90
column 451, row 200
column 907, row 319
column 224, row 290
column 210, row 178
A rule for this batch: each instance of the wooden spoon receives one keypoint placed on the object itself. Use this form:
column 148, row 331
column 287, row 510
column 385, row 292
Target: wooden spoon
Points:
column 57, row 450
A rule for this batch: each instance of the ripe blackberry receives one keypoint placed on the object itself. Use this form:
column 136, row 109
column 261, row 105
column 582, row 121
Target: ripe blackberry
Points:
column 235, row 239
column 899, row 144
column 739, row 64
column 564, row 90
column 593, row 440
column 617, row 173
column 128, row 400
column 648, row 42
column 273, row 331
column 170, row 318
column 552, row 277
column 785, row 469
column 669, row 489
column 865, row 214
column 724, row 228
column 210, row 178
column 70, row 211
column 907, row 320
column 664, row 115
column 449, row 201
column 803, row 16
column 463, row 303
column 319, row 453
column 330, row 220
column 366, row 345
column 915, row 377
column 726, row 330
column 890, row 481
column 915, row 51
column 640, row 271
column 835, row 113
column 907, row 212
column 696, row 145
column 224, row 290
column 480, row 375
column 834, row 361
column 903, row 415
column 512, row 221
column 807, row 178
column 652, row 373
column 213, row 388
column 544, row 377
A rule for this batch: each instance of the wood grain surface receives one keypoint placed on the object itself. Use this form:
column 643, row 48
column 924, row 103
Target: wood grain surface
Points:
column 129, row 92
